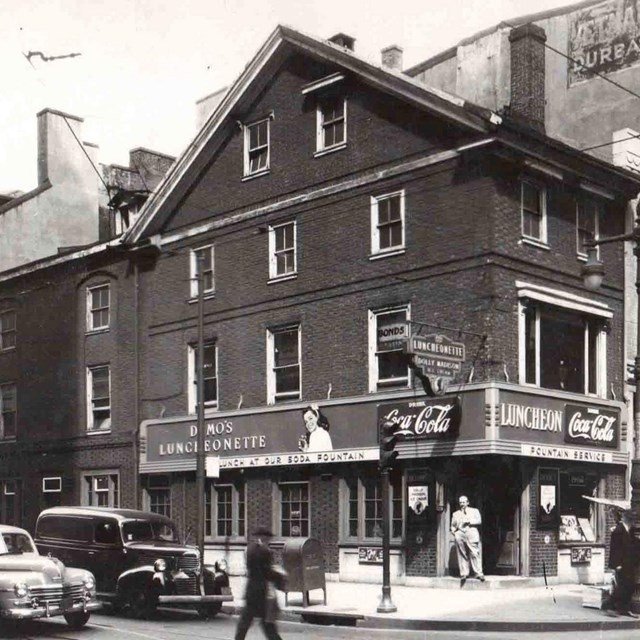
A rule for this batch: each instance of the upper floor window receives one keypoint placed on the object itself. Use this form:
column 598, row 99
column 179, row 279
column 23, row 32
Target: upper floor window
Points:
column 98, row 302
column 387, row 222
column 101, row 489
column 98, row 398
column 282, row 250
column 534, row 210
column 283, row 364
column 209, row 375
column 587, row 224
column 331, row 122
column 388, row 367
column 202, row 258
column 7, row 330
column 8, row 410
column 256, row 147
column 225, row 514
column 563, row 349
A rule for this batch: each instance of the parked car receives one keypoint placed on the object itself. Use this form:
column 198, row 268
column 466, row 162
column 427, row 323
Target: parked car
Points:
column 137, row 558
column 35, row 586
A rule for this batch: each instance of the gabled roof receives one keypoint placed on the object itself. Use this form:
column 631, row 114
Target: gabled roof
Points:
column 279, row 45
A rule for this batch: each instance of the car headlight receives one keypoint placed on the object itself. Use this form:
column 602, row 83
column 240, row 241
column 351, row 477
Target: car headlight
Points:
column 89, row 583
column 21, row 590
column 160, row 564
column 222, row 565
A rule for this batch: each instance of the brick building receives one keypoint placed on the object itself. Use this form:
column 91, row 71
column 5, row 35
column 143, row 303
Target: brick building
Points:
column 336, row 205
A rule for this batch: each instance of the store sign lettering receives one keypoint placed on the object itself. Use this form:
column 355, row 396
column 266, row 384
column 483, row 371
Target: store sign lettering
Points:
column 521, row 416
column 424, row 420
column 591, row 425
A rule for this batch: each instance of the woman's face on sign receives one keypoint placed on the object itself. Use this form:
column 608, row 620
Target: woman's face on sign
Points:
column 310, row 421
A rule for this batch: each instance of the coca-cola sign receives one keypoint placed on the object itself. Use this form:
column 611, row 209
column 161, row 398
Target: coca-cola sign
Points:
column 434, row 419
column 591, row 426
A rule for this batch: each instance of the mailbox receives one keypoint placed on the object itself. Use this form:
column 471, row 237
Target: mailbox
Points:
column 303, row 560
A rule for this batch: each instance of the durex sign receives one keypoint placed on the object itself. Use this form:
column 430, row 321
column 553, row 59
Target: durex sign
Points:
column 590, row 426
column 437, row 419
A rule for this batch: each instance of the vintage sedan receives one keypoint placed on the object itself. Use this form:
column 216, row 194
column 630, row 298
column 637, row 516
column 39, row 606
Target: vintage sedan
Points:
column 35, row 586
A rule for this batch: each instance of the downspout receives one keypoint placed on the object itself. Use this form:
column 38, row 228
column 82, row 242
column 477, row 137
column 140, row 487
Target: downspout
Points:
column 136, row 386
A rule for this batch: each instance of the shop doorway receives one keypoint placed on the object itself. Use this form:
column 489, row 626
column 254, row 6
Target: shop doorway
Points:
column 493, row 485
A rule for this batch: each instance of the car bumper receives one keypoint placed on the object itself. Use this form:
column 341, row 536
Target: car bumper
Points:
column 225, row 596
column 24, row 613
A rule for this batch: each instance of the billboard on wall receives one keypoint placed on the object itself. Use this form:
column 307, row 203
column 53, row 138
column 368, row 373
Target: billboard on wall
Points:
column 602, row 39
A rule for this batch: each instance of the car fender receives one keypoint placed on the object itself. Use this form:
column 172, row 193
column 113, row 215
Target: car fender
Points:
column 145, row 576
column 214, row 579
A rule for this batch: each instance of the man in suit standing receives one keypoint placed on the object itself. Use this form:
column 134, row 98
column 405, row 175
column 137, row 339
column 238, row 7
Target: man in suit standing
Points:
column 464, row 526
column 622, row 561
column 260, row 596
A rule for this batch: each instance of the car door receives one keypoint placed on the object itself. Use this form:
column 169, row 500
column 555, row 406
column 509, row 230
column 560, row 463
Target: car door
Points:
column 106, row 554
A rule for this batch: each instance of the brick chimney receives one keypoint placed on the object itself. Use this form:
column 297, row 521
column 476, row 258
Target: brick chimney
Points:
column 343, row 40
column 528, row 74
column 392, row 57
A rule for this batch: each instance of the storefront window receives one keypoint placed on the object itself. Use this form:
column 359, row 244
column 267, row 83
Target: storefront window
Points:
column 578, row 516
column 294, row 509
column 159, row 495
column 225, row 515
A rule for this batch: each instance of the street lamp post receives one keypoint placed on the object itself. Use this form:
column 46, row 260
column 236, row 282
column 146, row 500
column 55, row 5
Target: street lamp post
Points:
column 593, row 273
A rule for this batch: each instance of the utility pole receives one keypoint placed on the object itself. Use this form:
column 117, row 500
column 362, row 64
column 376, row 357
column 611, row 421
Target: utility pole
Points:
column 200, row 467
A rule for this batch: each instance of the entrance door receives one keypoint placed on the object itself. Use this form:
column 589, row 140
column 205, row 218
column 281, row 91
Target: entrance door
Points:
column 493, row 485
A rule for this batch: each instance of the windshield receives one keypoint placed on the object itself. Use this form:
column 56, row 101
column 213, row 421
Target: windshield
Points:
column 15, row 543
column 137, row 530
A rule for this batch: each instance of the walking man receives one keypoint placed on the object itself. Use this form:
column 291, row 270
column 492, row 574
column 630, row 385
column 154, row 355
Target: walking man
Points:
column 260, row 596
column 464, row 526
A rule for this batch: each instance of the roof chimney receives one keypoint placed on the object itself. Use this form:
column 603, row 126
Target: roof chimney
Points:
column 343, row 40
column 528, row 74
column 392, row 57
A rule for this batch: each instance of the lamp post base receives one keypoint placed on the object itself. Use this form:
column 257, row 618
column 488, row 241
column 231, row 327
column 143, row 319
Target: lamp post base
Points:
column 386, row 604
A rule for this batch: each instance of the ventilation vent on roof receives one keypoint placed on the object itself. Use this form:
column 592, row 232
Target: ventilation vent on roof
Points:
column 343, row 40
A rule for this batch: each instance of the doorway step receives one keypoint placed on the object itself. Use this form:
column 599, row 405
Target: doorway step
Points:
column 490, row 583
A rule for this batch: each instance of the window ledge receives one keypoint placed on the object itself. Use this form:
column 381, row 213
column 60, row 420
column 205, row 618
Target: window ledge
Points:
column 354, row 544
column 387, row 254
column 8, row 440
column 96, row 432
column 93, row 332
column 7, row 350
column 541, row 244
column 207, row 296
column 231, row 541
column 335, row 147
column 566, row 544
column 257, row 174
column 288, row 276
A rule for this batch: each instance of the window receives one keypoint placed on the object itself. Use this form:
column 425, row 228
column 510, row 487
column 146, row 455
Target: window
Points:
column 387, row 222
column 52, row 491
column 534, row 210
column 580, row 519
column 8, row 410
column 225, row 515
column 564, row 349
column 203, row 256
column 282, row 250
column 10, row 502
column 158, row 495
column 99, row 398
column 332, row 122
column 256, row 147
column 294, row 509
column 362, row 507
column 210, row 376
column 100, row 489
column 587, row 224
column 388, row 366
column 98, row 308
column 283, row 364
column 7, row 330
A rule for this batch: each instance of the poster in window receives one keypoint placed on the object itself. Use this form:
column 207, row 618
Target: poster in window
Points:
column 570, row 530
column 418, row 498
column 548, row 498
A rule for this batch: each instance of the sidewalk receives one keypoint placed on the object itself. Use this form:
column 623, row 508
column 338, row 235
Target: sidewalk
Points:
column 479, row 607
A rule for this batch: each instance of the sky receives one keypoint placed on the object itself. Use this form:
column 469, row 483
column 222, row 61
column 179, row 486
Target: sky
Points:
column 145, row 63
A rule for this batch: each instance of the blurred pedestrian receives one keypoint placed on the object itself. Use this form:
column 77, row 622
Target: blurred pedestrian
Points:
column 622, row 561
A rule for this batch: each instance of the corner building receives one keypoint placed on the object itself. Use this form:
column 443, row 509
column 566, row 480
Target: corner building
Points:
column 336, row 206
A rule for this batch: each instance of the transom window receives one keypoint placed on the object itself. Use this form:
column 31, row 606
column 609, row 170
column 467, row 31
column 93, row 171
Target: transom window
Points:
column 99, row 398
column 283, row 364
column 210, row 376
column 387, row 222
column 388, row 366
column 203, row 256
column 8, row 410
column 587, row 224
column 256, row 147
column 534, row 210
column 101, row 489
column 282, row 250
column 294, row 509
column 7, row 330
column 98, row 301
column 332, row 122
column 225, row 515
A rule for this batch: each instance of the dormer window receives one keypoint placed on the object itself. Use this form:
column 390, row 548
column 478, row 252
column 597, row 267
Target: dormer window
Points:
column 256, row 148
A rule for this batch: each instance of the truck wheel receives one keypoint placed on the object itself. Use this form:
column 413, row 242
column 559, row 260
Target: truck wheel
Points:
column 206, row 611
column 77, row 620
column 141, row 603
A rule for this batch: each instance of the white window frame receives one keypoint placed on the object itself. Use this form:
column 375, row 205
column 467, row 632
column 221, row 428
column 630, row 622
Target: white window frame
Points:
column 544, row 196
column 584, row 200
column 373, row 314
column 278, row 506
column 10, row 487
column 113, row 490
column 538, row 295
column 320, row 126
column 56, row 481
column 91, row 427
column 163, row 484
column 273, row 252
column 91, row 310
column 272, row 396
column 238, row 491
column 376, row 248
column 247, row 148
column 5, row 388
column 4, row 331
column 192, row 379
column 193, row 269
